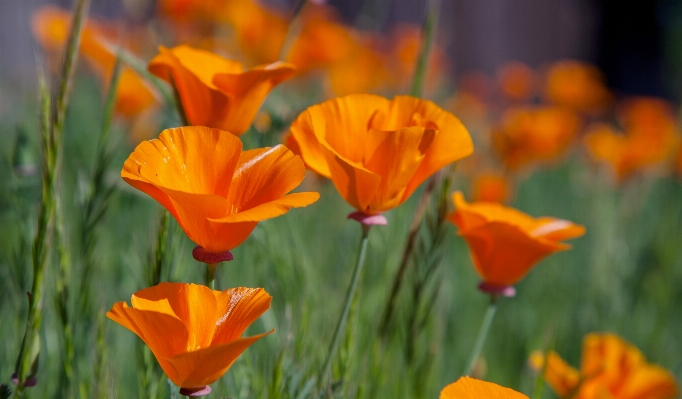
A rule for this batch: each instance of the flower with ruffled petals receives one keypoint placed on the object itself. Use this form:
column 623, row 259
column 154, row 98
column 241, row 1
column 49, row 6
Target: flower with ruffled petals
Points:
column 470, row 388
column 51, row 27
column 216, row 191
column 214, row 91
column 505, row 243
column 378, row 151
column 610, row 368
column 194, row 332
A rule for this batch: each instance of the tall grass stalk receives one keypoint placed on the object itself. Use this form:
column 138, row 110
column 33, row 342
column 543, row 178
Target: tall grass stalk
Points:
column 293, row 30
column 428, row 33
column 341, row 324
column 52, row 122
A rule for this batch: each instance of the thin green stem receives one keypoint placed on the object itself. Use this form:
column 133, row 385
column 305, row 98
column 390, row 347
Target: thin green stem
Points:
column 482, row 334
column 429, row 29
column 210, row 274
column 294, row 29
column 340, row 327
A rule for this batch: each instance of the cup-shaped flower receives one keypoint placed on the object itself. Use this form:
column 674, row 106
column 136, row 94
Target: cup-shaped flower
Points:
column 216, row 192
column 506, row 243
column 471, row 388
column 194, row 332
column 378, row 151
column 214, row 91
column 610, row 368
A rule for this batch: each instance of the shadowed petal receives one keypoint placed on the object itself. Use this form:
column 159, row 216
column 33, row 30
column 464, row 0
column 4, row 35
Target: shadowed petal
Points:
column 356, row 184
column 239, row 308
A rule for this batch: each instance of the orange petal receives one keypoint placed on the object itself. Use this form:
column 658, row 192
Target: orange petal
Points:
column 395, row 156
column 247, row 91
column 263, row 175
column 557, row 229
column 271, row 209
column 470, row 388
column 649, row 382
column 356, row 184
column 239, row 308
column 205, row 366
column 560, row 375
column 307, row 145
column 226, row 236
column 164, row 334
column 195, row 305
column 504, row 253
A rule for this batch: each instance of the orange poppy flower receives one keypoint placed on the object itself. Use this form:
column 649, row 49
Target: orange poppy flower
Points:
column 378, row 151
column 491, row 187
column 51, row 27
column 577, row 85
column 529, row 134
column 505, row 243
column 517, row 81
column 470, row 388
column 362, row 70
column 216, row 192
column 193, row 331
column 215, row 91
column 610, row 368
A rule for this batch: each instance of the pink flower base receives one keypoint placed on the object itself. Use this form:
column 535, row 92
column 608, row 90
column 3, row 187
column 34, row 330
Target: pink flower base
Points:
column 504, row 290
column 30, row 381
column 369, row 220
column 194, row 392
column 212, row 258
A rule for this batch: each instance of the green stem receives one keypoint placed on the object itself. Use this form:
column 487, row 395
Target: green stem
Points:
column 210, row 275
column 482, row 334
column 346, row 307
column 429, row 29
column 294, row 29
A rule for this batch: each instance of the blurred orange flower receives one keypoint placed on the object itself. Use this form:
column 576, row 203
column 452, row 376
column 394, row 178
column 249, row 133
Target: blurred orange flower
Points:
column 530, row 134
column 51, row 26
column 517, row 81
column 491, row 187
column 406, row 43
column 362, row 70
column 577, row 85
column 610, row 368
column 470, row 388
column 505, row 243
column 649, row 137
column 215, row 91
column 378, row 151
column 216, row 192
column 193, row 331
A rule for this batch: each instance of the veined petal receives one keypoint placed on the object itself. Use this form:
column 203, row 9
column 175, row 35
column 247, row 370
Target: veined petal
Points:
column 177, row 160
column 205, row 366
column 503, row 253
column 239, row 308
column 164, row 334
column 557, row 229
column 247, row 91
column 263, row 175
column 356, row 184
column 396, row 157
column 195, row 305
column 271, row 209
column 307, row 145
column 469, row 388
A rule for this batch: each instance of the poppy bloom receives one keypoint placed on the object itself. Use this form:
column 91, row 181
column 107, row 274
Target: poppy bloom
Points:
column 517, row 81
column 216, row 192
column 610, row 368
column 470, row 388
column 378, row 151
column 505, row 243
column 491, row 187
column 215, row 91
column 194, row 332
column 51, row 27
column 530, row 134
column 577, row 85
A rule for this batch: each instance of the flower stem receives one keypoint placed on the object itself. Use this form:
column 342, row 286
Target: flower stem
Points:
column 482, row 334
column 346, row 307
column 210, row 275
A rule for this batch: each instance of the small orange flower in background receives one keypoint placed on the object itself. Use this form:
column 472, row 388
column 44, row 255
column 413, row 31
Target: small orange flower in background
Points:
column 577, row 85
column 193, row 331
column 470, row 388
column 506, row 243
column 216, row 192
column 517, row 81
column 529, row 134
column 362, row 70
column 215, row 91
column 648, row 139
column 491, row 187
column 378, row 151
column 51, row 27
column 610, row 368
column 406, row 43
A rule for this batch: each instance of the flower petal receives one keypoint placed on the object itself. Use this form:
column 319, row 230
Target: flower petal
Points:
column 247, row 91
column 356, row 184
column 303, row 141
column 557, row 229
column 560, row 375
column 271, row 209
column 205, row 366
column 469, row 388
column 239, row 307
